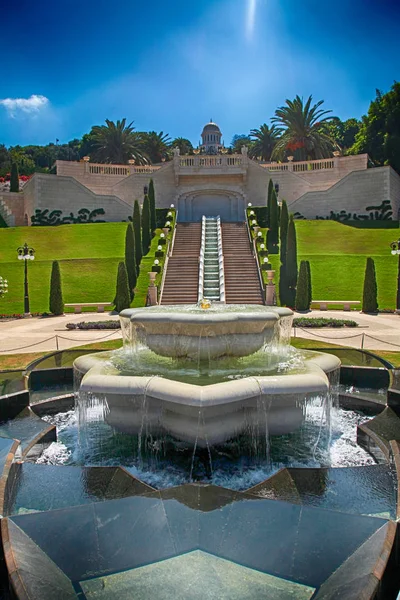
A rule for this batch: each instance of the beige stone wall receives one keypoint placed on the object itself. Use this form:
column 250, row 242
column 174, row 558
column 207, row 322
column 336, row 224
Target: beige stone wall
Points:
column 12, row 208
column 353, row 194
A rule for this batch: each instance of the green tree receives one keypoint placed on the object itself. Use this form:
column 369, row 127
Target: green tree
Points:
column 269, row 200
column 370, row 291
column 304, row 131
column 137, row 227
column 263, row 142
column 344, row 132
column 130, row 259
column 146, row 233
column 309, row 299
column 379, row 134
column 116, row 143
column 185, row 146
column 291, row 263
column 122, row 295
column 56, row 304
column 284, row 223
column 273, row 231
column 302, row 290
column 240, row 140
column 152, row 199
column 156, row 146
column 14, row 180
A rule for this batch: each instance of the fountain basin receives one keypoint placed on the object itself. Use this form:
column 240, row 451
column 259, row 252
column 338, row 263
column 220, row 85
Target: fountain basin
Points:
column 209, row 414
column 196, row 334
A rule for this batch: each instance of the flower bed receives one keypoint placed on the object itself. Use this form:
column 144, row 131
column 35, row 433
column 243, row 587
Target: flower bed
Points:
column 323, row 322
column 94, row 325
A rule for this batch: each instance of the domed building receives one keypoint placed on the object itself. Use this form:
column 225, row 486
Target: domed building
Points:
column 211, row 139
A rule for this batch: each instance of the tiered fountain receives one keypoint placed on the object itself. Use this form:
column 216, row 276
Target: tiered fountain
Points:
column 204, row 375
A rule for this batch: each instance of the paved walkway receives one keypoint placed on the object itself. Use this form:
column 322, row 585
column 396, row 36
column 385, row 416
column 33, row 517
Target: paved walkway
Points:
column 39, row 334
column 375, row 332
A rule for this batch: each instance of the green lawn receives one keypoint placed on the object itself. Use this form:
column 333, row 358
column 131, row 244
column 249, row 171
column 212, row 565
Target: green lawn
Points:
column 337, row 255
column 88, row 255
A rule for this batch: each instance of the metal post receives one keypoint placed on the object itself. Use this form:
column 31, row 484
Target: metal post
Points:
column 57, row 342
column 26, row 292
column 362, row 341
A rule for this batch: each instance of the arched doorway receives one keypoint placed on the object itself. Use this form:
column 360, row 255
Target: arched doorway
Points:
column 228, row 205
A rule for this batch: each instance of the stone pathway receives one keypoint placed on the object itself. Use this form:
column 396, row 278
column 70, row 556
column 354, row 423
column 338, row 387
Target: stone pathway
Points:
column 39, row 334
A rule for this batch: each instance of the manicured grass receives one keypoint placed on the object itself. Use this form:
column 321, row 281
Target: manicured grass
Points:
column 338, row 254
column 88, row 255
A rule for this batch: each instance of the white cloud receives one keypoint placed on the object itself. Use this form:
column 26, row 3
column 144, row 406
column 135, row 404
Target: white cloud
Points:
column 32, row 105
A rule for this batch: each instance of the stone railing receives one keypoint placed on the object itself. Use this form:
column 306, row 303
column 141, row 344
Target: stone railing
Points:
column 211, row 161
column 302, row 166
column 220, row 262
column 100, row 169
column 201, row 259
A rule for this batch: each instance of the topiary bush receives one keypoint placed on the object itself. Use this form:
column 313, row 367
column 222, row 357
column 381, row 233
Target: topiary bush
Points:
column 122, row 296
column 323, row 322
column 130, row 259
column 302, row 291
column 146, row 233
column 56, row 304
column 370, row 292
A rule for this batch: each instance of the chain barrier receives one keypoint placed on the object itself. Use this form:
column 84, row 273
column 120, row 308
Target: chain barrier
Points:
column 348, row 337
column 57, row 337
column 363, row 336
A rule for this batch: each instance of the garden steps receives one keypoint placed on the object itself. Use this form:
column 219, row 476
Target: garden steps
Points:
column 181, row 280
column 242, row 284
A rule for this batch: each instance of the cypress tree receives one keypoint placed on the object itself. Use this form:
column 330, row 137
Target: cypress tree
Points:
column 130, row 259
column 370, row 292
column 56, row 304
column 291, row 263
column 152, row 198
column 14, row 179
column 273, row 232
column 137, row 224
column 302, row 290
column 269, row 199
column 122, row 295
column 284, row 222
column 309, row 299
column 146, row 235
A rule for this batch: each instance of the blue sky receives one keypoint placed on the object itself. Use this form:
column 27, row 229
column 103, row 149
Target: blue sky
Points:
column 170, row 66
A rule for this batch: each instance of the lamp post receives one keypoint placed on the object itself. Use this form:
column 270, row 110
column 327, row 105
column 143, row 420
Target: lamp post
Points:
column 26, row 253
column 395, row 248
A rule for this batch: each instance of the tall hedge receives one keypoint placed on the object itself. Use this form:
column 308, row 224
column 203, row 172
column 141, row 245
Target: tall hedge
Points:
column 302, row 290
column 130, row 259
column 137, row 228
column 370, row 292
column 122, row 296
column 146, row 234
column 152, row 199
column 14, row 178
column 269, row 199
column 291, row 263
column 309, row 299
column 56, row 304
column 284, row 223
column 273, row 232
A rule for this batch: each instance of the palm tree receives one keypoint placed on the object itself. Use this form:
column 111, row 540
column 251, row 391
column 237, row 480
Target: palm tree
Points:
column 156, row 146
column 304, row 130
column 185, row 146
column 116, row 143
column 238, row 141
column 264, row 140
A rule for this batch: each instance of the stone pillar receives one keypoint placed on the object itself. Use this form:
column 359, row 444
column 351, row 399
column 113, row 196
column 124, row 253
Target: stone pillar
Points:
column 152, row 289
column 270, row 294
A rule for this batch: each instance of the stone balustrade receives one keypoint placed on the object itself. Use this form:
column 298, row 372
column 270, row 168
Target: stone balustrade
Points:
column 217, row 161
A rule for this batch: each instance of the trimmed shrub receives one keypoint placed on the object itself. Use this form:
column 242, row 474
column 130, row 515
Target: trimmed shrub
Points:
column 94, row 325
column 284, row 223
column 56, row 304
column 323, row 322
column 302, row 291
column 146, row 233
column 136, row 221
column 14, row 179
column 152, row 199
column 291, row 263
column 370, row 292
column 122, row 295
column 309, row 299
column 269, row 200
column 161, row 216
column 261, row 215
column 273, row 231
column 130, row 259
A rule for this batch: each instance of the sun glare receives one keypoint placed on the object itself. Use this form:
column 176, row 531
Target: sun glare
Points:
column 250, row 18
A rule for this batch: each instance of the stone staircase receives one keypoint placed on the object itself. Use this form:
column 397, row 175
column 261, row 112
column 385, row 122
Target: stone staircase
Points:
column 182, row 277
column 211, row 263
column 242, row 285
